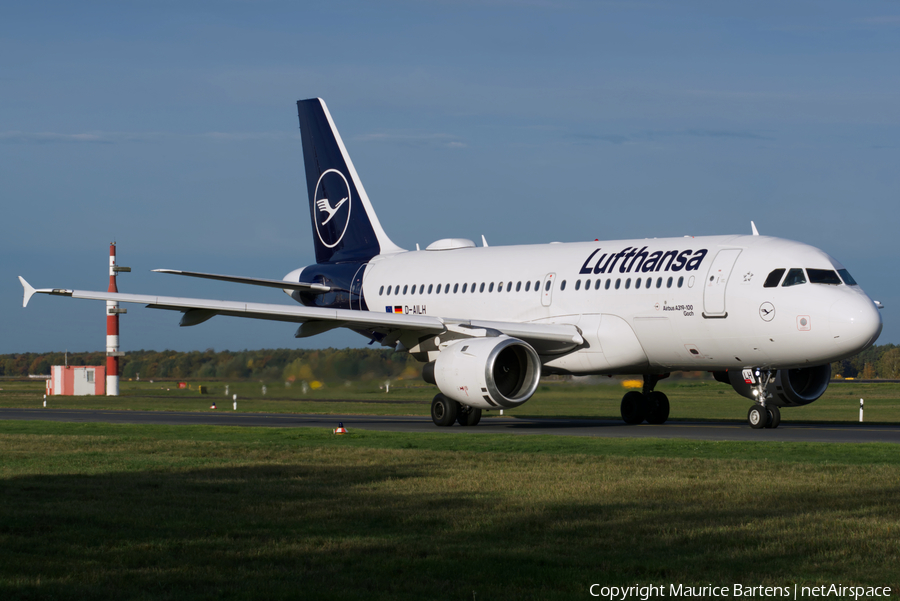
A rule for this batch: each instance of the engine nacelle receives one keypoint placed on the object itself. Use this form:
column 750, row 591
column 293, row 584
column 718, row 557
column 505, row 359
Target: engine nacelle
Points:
column 789, row 387
column 487, row 373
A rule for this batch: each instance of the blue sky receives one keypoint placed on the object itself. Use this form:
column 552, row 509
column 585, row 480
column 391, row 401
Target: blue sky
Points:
column 171, row 128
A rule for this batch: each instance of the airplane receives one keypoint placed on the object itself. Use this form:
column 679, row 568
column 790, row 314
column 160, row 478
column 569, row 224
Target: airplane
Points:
column 763, row 314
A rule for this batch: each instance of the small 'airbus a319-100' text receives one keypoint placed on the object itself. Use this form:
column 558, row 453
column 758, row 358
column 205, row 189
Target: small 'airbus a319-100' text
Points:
column 763, row 314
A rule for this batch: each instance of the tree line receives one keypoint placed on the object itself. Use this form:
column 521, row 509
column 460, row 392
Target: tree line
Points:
column 328, row 365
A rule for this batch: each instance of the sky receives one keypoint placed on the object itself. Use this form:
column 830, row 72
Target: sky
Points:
column 171, row 129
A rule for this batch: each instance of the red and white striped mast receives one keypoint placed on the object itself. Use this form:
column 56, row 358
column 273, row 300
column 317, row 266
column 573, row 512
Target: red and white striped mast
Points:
column 112, row 327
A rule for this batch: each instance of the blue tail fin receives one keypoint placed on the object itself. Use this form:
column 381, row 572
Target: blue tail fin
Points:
column 345, row 227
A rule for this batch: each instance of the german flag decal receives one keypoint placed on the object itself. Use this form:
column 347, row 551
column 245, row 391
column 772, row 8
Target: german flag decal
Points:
column 398, row 309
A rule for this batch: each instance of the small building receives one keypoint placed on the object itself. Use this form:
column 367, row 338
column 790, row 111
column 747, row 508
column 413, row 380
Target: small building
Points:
column 78, row 380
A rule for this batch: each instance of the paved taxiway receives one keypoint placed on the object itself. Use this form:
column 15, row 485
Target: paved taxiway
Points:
column 787, row 432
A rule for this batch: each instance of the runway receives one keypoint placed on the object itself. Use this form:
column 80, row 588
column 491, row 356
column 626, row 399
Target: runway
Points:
column 710, row 431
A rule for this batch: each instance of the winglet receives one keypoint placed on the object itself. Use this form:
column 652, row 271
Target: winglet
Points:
column 753, row 227
column 29, row 291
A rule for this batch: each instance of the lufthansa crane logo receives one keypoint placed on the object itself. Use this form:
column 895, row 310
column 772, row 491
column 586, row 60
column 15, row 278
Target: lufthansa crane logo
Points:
column 332, row 207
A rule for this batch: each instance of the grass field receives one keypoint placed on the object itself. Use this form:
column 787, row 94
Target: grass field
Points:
column 158, row 512
column 690, row 400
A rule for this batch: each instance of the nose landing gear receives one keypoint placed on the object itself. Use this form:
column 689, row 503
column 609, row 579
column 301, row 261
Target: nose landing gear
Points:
column 650, row 405
column 762, row 414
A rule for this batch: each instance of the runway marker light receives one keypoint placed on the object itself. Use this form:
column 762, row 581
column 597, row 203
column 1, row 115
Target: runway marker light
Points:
column 340, row 429
column 860, row 410
column 213, row 406
column 235, row 405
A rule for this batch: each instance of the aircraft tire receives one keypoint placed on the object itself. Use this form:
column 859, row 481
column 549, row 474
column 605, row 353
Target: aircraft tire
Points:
column 758, row 417
column 468, row 416
column 657, row 407
column 774, row 416
column 632, row 407
column 443, row 410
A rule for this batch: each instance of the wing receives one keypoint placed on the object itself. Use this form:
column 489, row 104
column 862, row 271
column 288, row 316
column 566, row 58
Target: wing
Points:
column 315, row 320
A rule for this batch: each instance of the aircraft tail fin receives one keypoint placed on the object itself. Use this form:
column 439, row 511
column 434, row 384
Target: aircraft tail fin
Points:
column 345, row 227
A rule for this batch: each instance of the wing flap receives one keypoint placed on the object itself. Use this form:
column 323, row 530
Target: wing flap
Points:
column 282, row 284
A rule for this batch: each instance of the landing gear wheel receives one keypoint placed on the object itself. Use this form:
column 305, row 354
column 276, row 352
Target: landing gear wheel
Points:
column 633, row 407
column 758, row 416
column 657, row 407
column 774, row 416
column 468, row 416
column 443, row 410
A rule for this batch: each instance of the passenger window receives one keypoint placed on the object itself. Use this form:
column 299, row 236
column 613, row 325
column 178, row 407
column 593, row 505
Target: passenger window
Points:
column 618, row 283
column 547, row 287
column 608, row 282
column 438, row 289
column 518, row 286
column 491, row 287
column 680, row 281
column 527, row 285
column 637, row 283
column 405, row 288
column 649, row 282
column 455, row 288
column 794, row 277
column 848, row 279
column 563, row 285
column 509, row 286
column 422, row 289
column 473, row 287
column 773, row 278
column 430, row 286
column 481, row 288
column 577, row 284
column 464, row 287
column 823, row 276
column 537, row 285
column 669, row 282
column 381, row 291
column 597, row 284
column 389, row 290
column 659, row 282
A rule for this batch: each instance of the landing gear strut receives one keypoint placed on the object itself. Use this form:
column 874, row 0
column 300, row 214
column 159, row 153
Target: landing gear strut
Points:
column 762, row 414
column 650, row 405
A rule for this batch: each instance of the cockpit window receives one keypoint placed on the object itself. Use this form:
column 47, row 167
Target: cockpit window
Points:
column 848, row 279
column 794, row 278
column 823, row 276
column 773, row 279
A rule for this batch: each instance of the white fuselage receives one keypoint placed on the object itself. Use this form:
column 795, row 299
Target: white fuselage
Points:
column 654, row 310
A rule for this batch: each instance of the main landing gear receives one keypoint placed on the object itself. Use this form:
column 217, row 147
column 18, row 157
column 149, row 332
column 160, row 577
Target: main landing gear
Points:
column 762, row 414
column 650, row 405
column 445, row 411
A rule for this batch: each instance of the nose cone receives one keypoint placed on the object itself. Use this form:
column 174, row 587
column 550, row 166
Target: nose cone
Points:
column 855, row 323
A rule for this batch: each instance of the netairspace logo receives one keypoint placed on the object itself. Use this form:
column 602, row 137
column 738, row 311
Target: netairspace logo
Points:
column 737, row 591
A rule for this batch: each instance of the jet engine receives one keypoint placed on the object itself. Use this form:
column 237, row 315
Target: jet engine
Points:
column 486, row 373
column 789, row 387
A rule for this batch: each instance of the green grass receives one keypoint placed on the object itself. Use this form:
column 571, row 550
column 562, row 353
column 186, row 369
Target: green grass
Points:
column 690, row 400
column 191, row 512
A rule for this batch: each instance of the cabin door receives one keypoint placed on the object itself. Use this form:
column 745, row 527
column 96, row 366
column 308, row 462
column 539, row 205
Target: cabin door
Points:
column 717, row 282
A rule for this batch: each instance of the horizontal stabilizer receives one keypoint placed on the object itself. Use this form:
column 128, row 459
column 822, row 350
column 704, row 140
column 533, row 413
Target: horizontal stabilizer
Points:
column 284, row 285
